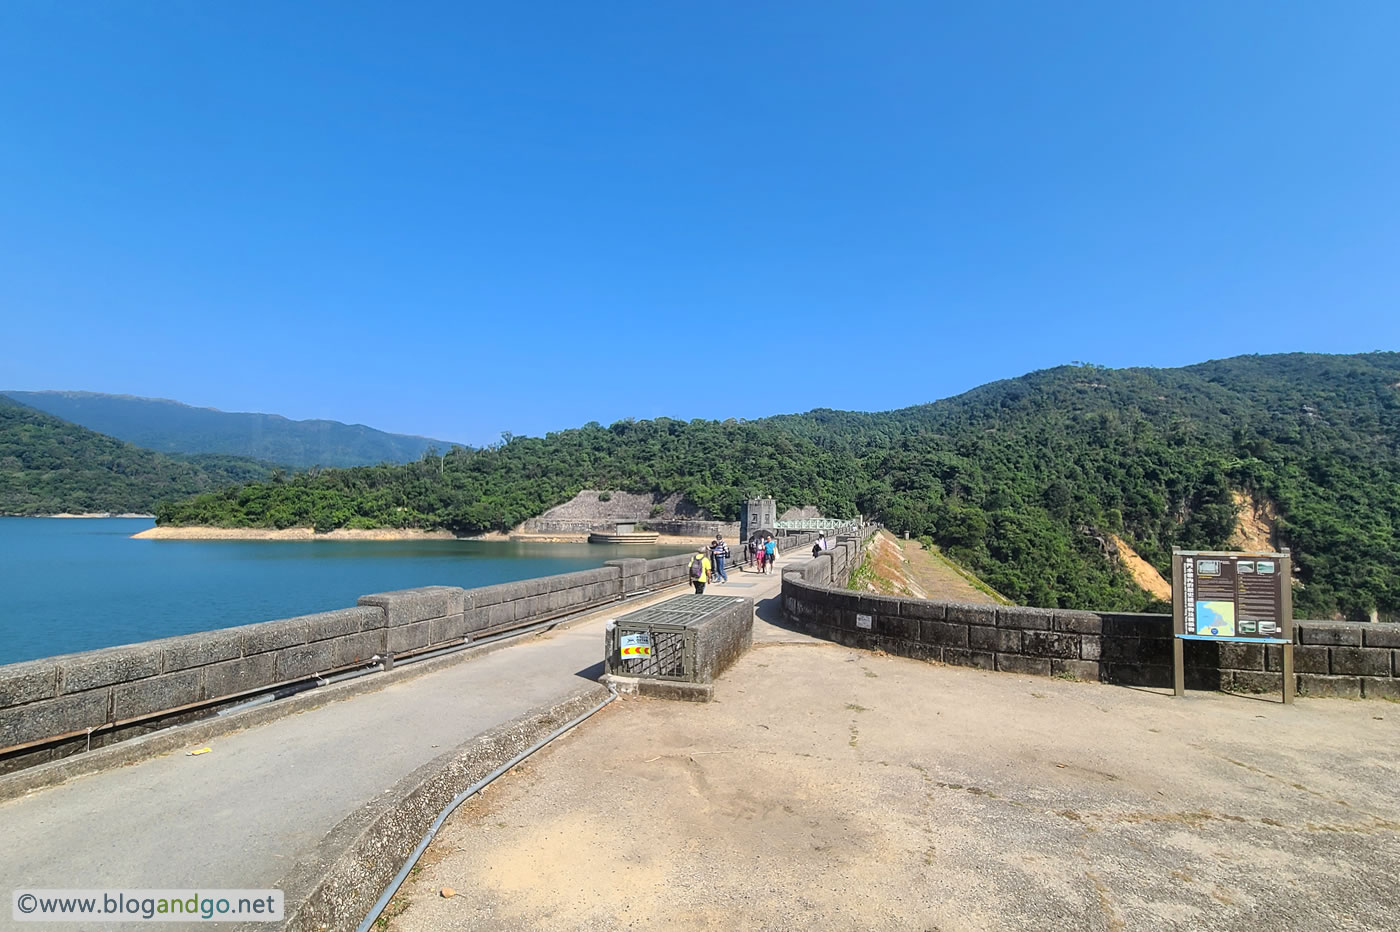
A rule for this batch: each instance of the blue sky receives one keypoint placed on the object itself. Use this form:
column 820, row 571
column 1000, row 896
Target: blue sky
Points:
column 456, row 219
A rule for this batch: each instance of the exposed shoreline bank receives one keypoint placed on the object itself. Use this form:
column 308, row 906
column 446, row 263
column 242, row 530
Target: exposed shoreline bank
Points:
column 291, row 533
column 86, row 514
column 374, row 534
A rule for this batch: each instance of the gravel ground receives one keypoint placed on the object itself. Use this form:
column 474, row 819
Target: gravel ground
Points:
column 835, row 789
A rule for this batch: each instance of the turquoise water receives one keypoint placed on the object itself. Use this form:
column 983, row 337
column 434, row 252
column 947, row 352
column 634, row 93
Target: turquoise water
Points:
column 77, row 584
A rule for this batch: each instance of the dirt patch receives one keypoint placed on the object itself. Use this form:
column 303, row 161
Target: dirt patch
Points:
column 1143, row 573
column 1255, row 521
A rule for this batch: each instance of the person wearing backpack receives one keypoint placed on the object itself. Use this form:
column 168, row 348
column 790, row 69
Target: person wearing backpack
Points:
column 719, row 555
column 699, row 571
column 770, row 554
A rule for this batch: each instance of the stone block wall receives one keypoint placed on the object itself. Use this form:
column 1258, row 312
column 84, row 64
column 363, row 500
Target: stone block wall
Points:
column 1330, row 659
column 834, row 566
column 586, row 512
column 63, row 705
column 88, row 698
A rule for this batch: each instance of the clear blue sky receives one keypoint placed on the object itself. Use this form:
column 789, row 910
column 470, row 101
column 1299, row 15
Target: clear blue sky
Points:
column 461, row 218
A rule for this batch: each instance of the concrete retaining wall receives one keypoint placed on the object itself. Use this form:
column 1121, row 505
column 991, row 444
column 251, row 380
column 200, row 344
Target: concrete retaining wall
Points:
column 676, row 527
column 1330, row 659
column 681, row 528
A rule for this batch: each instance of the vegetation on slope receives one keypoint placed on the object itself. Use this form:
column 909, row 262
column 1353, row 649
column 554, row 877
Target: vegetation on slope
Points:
column 48, row 466
column 1015, row 480
column 175, row 428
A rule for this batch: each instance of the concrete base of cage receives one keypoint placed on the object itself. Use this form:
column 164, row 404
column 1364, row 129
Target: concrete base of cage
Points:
column 658, row 689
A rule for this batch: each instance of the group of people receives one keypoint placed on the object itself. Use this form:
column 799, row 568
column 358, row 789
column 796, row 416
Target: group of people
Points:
column 708, row 563
column 762, row 549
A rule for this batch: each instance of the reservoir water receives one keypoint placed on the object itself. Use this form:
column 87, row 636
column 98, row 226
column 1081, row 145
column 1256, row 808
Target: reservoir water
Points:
column 78, row 584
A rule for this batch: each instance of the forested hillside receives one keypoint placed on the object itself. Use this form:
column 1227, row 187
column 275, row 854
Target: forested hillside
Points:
column 48, row 466
column 175, row 428
column 1016, row 479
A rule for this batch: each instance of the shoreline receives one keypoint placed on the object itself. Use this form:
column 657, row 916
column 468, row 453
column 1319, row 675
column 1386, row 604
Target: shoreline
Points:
column 87, row 514
column 374, row 534
column 291, row 533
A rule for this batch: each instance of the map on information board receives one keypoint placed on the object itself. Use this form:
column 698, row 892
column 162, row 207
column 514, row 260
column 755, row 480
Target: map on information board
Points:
column 1216, row 619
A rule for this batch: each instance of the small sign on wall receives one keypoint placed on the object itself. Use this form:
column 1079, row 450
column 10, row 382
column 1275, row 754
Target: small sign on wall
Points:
column 864, row 621
column 636, row 645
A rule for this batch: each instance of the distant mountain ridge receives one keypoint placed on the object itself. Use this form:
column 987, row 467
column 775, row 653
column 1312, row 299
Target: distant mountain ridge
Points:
column 49, row 466
column 174, row 427
column 1024, row 481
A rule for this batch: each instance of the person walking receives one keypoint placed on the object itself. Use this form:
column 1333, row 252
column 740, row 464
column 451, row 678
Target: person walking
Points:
column 699, row 570
column 770, row 554
column 758, row 551
column 719, row 554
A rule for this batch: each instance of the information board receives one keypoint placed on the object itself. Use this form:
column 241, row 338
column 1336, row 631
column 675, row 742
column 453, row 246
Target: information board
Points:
column 1225, row 596
column 1234, row 596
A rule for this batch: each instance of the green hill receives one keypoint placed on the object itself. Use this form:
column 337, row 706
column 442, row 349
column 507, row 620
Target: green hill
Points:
column 48, row 466
column 172, row 427
column 1016, row 479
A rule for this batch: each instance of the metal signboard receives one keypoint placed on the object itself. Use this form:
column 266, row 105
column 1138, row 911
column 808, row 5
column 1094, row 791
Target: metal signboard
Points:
column 637, row 644
column 1236, row 597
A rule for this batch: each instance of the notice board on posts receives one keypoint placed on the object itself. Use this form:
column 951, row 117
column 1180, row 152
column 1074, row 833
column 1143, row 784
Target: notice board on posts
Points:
column 1237, row 597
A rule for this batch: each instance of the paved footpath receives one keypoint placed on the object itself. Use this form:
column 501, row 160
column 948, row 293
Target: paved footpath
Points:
column 240, row 816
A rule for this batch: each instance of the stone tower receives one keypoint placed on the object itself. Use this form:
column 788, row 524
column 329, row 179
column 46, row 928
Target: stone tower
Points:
column 759, row 514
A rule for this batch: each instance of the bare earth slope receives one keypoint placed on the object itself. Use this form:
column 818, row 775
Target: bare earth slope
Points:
column 906, row 567
column 1143, row 573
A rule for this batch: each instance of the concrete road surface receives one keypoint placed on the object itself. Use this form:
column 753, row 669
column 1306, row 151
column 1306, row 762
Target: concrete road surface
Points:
column 240, row 816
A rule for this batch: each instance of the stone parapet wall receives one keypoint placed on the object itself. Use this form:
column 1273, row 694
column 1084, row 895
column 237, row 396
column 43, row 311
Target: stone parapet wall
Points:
column 58, row 706
column 835, row 565
column 1330, row 659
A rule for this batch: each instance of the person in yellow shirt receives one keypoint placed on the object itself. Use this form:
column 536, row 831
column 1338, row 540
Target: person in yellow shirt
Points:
column 700, row 570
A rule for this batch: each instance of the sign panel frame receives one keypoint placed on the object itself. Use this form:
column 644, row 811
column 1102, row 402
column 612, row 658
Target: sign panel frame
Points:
column 1234, row 597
